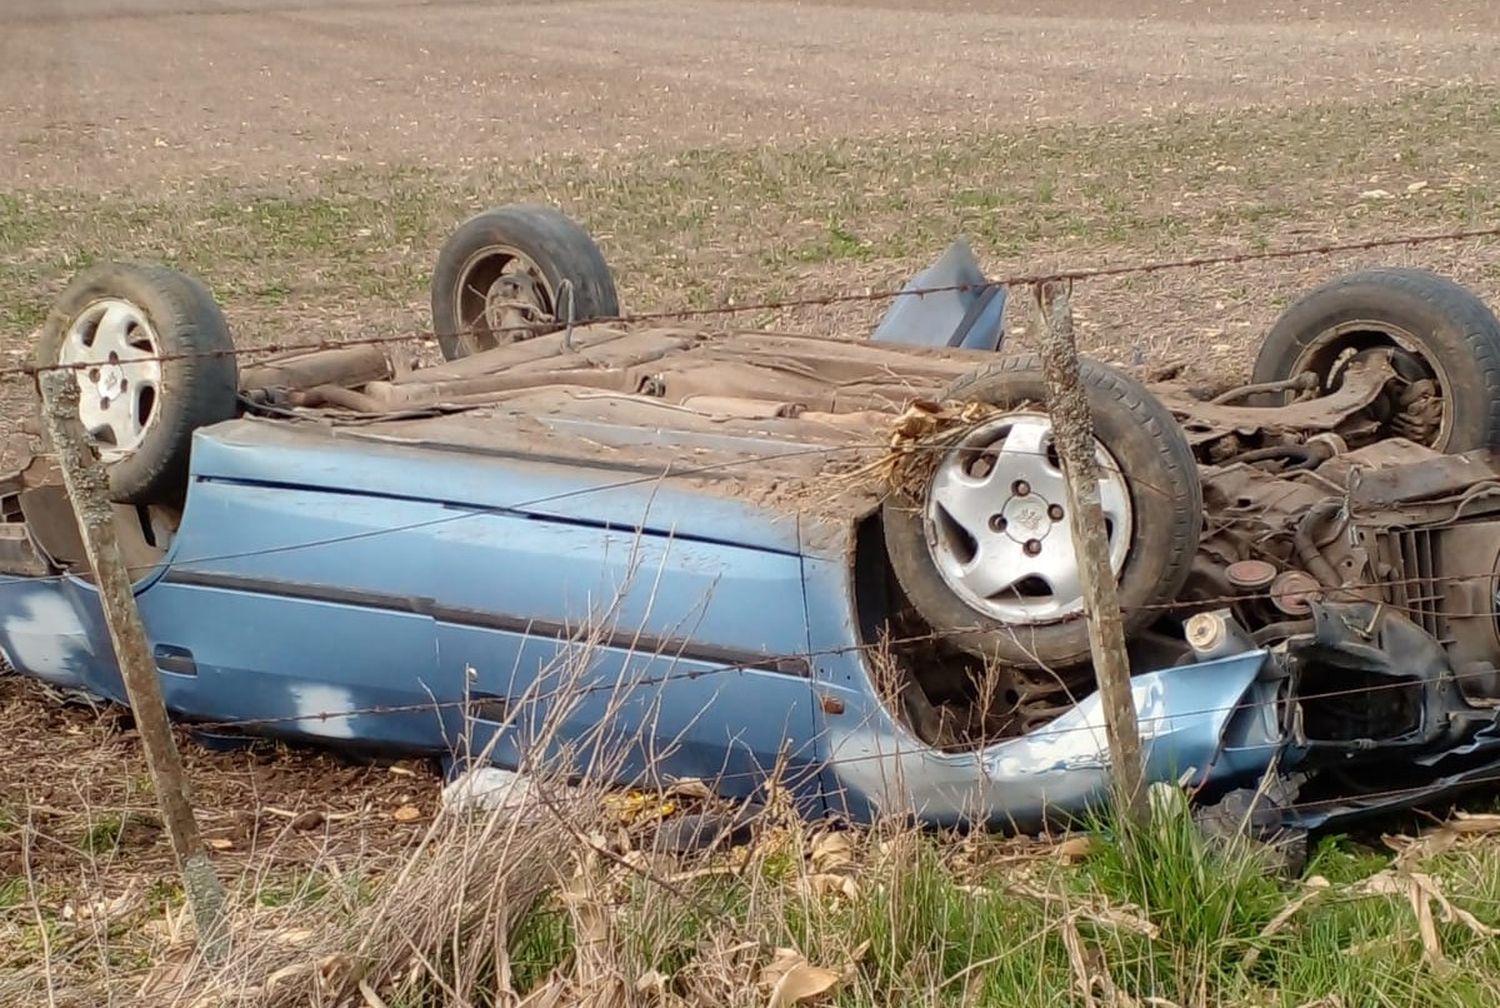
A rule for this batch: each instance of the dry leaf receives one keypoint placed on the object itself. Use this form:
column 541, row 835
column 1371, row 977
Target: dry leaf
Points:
column 1443, row 837
column 1076, row 849
column 793, row 980
column 372, row 1000
column 832, row 851
column 824, row 884
column 634, row 807
column 1422, row 891
column 652, row 982
column 1121, row 917
column 1078, row 964
column 691, row 788
column 697, row 873
column 407, row 813
column 851, row 968
column 218, row 843
column 295, row 936
column 548, row 995
column 102, row 910
column 1316, row 886
column 1474, row 822
column 782, row 960
column 281, row 976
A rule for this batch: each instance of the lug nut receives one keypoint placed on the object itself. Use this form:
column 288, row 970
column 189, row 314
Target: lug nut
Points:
column 997, row 523
column 1020, row 488
column 1055, row 512
column 1032, row 547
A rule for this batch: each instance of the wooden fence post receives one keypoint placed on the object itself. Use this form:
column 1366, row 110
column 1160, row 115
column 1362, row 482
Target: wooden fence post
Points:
column 1073, row 434
column 87, row 484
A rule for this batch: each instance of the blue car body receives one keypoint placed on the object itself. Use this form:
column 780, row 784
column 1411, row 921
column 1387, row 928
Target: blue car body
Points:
column 406, row 597
column 579, row 590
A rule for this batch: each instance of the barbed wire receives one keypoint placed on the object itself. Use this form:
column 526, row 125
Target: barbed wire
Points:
column 1452, row 782
column 1449, row 783
column 1317, row 590
column 919, row 748
column 748, row 460
column 570, row 691
column 32, row 370
column 666, row 473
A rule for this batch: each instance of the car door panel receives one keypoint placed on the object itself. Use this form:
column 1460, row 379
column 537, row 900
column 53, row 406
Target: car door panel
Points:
column 639, row 655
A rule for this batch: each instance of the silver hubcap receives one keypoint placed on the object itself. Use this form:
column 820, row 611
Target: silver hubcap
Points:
column 997, row 523
column 115, row 350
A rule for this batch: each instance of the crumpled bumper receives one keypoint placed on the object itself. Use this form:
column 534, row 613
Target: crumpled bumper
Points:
column 1209, row 724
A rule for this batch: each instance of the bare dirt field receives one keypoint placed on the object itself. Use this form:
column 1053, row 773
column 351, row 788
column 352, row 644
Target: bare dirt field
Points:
column 306, row 158
column 159, row 93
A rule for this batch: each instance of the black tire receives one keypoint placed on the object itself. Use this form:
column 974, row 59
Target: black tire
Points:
column 481, row 249
column 1165, row 495
column 1441, row 329
column 199, row 379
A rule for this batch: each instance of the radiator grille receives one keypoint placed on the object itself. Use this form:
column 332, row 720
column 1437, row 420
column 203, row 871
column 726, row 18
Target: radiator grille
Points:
column 1415, row 585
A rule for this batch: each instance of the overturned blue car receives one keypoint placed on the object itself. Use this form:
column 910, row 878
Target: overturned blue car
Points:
column 651, row 553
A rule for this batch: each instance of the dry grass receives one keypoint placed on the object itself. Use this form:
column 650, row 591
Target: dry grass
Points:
column 553, row 902
column 371, row 896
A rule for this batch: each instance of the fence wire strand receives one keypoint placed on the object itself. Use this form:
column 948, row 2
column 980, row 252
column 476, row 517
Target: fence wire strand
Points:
column 32, row 370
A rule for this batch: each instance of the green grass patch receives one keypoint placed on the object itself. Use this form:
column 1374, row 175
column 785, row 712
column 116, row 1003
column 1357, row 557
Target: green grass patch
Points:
column 103, row 834
column 12, row 893
column 707, row 225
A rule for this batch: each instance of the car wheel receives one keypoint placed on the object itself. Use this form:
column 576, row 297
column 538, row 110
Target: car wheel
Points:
column 986, row 556
column 509, row 267
column 1446, row 345
column 154, row 361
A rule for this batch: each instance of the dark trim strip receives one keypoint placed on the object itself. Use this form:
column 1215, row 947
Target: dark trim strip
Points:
column 673, row 648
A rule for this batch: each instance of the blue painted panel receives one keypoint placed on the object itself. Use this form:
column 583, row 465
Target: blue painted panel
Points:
column 616, row 496
column 648, row 679
column 263, row 656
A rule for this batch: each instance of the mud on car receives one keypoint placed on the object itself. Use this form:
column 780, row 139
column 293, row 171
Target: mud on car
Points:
column 652, row 553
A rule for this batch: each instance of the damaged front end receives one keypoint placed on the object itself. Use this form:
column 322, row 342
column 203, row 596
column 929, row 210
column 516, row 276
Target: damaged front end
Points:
column 1334, row 653
column 1378, row 718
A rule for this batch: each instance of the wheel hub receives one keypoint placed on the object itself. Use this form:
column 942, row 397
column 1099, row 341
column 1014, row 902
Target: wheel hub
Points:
column 112, row 381
column 115, row 353
column 1028, row 518
column 998, row 529
column 1416, row 407
column 501, row 292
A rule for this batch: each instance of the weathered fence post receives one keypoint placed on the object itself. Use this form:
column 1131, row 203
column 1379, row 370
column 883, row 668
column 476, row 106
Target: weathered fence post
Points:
column 1073, row 434
column 87, row 484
